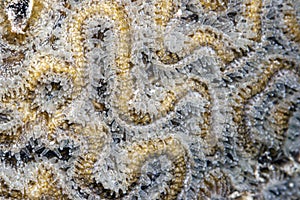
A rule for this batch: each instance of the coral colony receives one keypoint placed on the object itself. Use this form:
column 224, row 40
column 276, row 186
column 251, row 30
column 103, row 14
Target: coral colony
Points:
column 150, row 99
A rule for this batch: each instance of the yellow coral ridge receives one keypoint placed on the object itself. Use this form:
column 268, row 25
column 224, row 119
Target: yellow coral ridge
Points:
column 223, row 47
column 253, row 14
column 108, row 10
column 46, row 184
column 48, row 64
column 214, row 5
column 164, row 10
column 292, row 25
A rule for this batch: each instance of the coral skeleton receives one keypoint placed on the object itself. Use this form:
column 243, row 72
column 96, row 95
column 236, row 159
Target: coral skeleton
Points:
column 156, row 99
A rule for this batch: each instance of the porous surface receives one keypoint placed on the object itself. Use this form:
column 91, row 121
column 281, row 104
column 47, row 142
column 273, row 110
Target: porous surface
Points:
column 156, row 99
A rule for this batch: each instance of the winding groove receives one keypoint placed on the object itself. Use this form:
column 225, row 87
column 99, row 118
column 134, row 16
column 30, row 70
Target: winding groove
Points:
column 224, row 47
column 138, row 154
column 14, row 124
column 170, row 147
column 44, row 181
column 256, row 86
column 125, row 82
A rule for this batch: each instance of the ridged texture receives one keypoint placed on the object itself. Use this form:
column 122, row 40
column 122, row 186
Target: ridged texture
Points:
column 163, row 99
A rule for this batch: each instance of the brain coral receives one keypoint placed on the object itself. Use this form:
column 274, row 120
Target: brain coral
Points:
column 156, row 99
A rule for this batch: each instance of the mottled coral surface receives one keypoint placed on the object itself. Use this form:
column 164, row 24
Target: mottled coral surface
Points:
column 150, row 99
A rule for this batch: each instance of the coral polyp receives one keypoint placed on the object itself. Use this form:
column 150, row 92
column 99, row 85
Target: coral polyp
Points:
column 162, row 99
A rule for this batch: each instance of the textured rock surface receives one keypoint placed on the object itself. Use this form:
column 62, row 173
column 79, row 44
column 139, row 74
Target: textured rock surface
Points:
column 160, row 99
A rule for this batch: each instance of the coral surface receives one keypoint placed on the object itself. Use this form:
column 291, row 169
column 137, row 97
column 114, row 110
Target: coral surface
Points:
column 150, row 99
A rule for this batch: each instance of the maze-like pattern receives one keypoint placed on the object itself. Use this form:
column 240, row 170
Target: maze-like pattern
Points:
column 162, row 99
